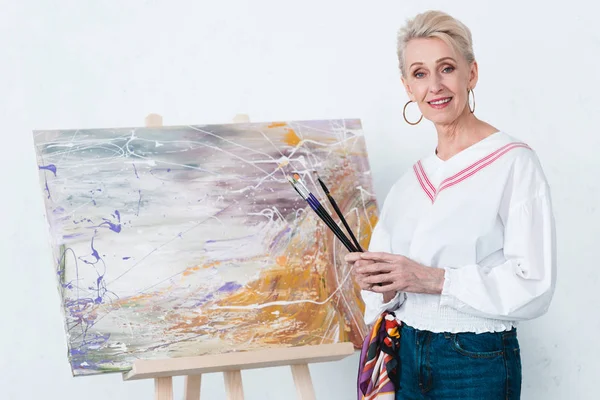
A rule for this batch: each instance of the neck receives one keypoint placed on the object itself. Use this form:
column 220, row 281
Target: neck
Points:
column 460, row 134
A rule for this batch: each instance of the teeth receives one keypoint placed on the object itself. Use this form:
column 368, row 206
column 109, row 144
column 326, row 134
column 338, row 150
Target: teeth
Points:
column 441, row 101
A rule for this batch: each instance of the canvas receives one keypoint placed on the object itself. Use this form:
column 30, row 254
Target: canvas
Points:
column 189, row 240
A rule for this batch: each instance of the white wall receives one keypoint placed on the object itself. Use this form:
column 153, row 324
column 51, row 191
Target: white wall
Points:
column 77, row 64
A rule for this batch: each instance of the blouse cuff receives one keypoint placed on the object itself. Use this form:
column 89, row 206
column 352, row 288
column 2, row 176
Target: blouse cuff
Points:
column 450, row 289
column 393, row 303
column 375, row 305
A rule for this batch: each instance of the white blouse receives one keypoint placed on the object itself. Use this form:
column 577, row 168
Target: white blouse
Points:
column 485, row 216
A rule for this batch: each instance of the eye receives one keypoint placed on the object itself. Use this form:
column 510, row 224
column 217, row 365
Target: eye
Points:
column 448, row 69
column 419, row 74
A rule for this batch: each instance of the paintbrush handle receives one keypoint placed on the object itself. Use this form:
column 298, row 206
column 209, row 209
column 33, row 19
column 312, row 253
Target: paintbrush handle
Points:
column 324, row 211
column 325, row 217
column 343, row 219
column 338, row 232
column 339, row 213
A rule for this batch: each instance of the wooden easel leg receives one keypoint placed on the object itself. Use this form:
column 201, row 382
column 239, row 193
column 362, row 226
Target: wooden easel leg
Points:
column 192, row 387
column 233, row 385
column 304, row 386
column 163, row 388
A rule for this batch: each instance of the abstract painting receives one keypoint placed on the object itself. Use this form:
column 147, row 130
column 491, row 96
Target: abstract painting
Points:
column 189, row 240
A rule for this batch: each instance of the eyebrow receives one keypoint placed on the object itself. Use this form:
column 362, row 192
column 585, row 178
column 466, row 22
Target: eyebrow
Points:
column 437, row 62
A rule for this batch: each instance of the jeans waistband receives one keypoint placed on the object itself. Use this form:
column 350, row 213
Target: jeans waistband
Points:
column 413, row 329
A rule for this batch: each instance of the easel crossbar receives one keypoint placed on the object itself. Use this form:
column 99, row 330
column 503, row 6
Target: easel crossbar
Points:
column 274, row 357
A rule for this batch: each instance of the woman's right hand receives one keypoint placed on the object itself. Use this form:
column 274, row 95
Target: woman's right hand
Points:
column 357, row 262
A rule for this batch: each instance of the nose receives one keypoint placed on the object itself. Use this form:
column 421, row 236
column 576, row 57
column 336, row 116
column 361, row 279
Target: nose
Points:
column 436, row 84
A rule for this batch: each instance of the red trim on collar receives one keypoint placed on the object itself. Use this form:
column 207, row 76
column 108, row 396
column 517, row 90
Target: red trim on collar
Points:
column 479, row 165
column 427, row 181
column 421, row 181
column 471, row 170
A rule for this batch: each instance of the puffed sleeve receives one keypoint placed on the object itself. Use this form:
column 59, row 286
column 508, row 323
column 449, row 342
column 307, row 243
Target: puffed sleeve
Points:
column 380, row 242
column 521, row 287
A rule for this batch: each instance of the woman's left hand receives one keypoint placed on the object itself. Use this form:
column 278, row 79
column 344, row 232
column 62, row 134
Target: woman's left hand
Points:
column 398, row 273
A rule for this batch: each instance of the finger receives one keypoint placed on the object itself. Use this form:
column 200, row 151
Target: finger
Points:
column 375, row 268
column 380, row 278
column 361, row 284
column 360, row 275
column 380, row 256
column 389, row 287
column 352, row 257
column 362, row 263
column 357, row 265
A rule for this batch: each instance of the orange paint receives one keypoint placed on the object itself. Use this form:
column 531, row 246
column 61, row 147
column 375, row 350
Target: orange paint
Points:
column 277, row 124
column 281, row 260
column 190, row 270
column 211, row 265
column 291, row 137
column 304, row 271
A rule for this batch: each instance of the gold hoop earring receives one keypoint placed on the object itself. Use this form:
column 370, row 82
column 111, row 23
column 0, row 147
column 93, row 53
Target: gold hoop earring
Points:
column 404, row 115
column 471, row 92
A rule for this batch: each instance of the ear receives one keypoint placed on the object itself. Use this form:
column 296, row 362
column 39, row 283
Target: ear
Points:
column 473, row 75
column 409, row 92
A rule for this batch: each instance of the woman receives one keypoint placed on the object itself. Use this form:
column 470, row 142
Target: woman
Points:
column 464, row 248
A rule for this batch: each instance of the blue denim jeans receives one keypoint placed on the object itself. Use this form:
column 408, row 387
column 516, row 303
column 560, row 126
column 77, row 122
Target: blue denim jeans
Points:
column 463, row 366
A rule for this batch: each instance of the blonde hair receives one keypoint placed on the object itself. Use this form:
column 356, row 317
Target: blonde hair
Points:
column 436, row 24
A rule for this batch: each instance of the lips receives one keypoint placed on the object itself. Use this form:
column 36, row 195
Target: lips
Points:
column 440, row 102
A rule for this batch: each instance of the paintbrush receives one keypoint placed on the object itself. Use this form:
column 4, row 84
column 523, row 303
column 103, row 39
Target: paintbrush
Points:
column 338, row 212
column 321, row 212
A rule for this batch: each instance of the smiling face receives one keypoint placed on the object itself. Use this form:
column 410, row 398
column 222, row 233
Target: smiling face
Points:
column 438, row 79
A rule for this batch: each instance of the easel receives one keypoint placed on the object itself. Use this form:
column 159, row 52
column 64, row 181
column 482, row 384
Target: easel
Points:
column 231, row 364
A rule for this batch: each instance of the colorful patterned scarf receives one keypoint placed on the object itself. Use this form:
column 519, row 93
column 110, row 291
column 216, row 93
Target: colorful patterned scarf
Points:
column 379, row 360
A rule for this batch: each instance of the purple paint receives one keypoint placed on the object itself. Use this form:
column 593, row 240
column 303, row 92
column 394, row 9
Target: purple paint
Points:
column 100, row 287
column 139, row 202
column 111, row 225
column 46, row 188
column 280, row 236
column 72, row 235
column 126, row 258
column 135, row 170
column 49, row 167
column 58, row 210
column 229, row 287
column 83, row 220
column 94, row 251
column 79, row 354
column 68, row 285
column 203, row 300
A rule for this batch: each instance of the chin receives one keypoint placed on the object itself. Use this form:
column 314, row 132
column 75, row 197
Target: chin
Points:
column 441, row 119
